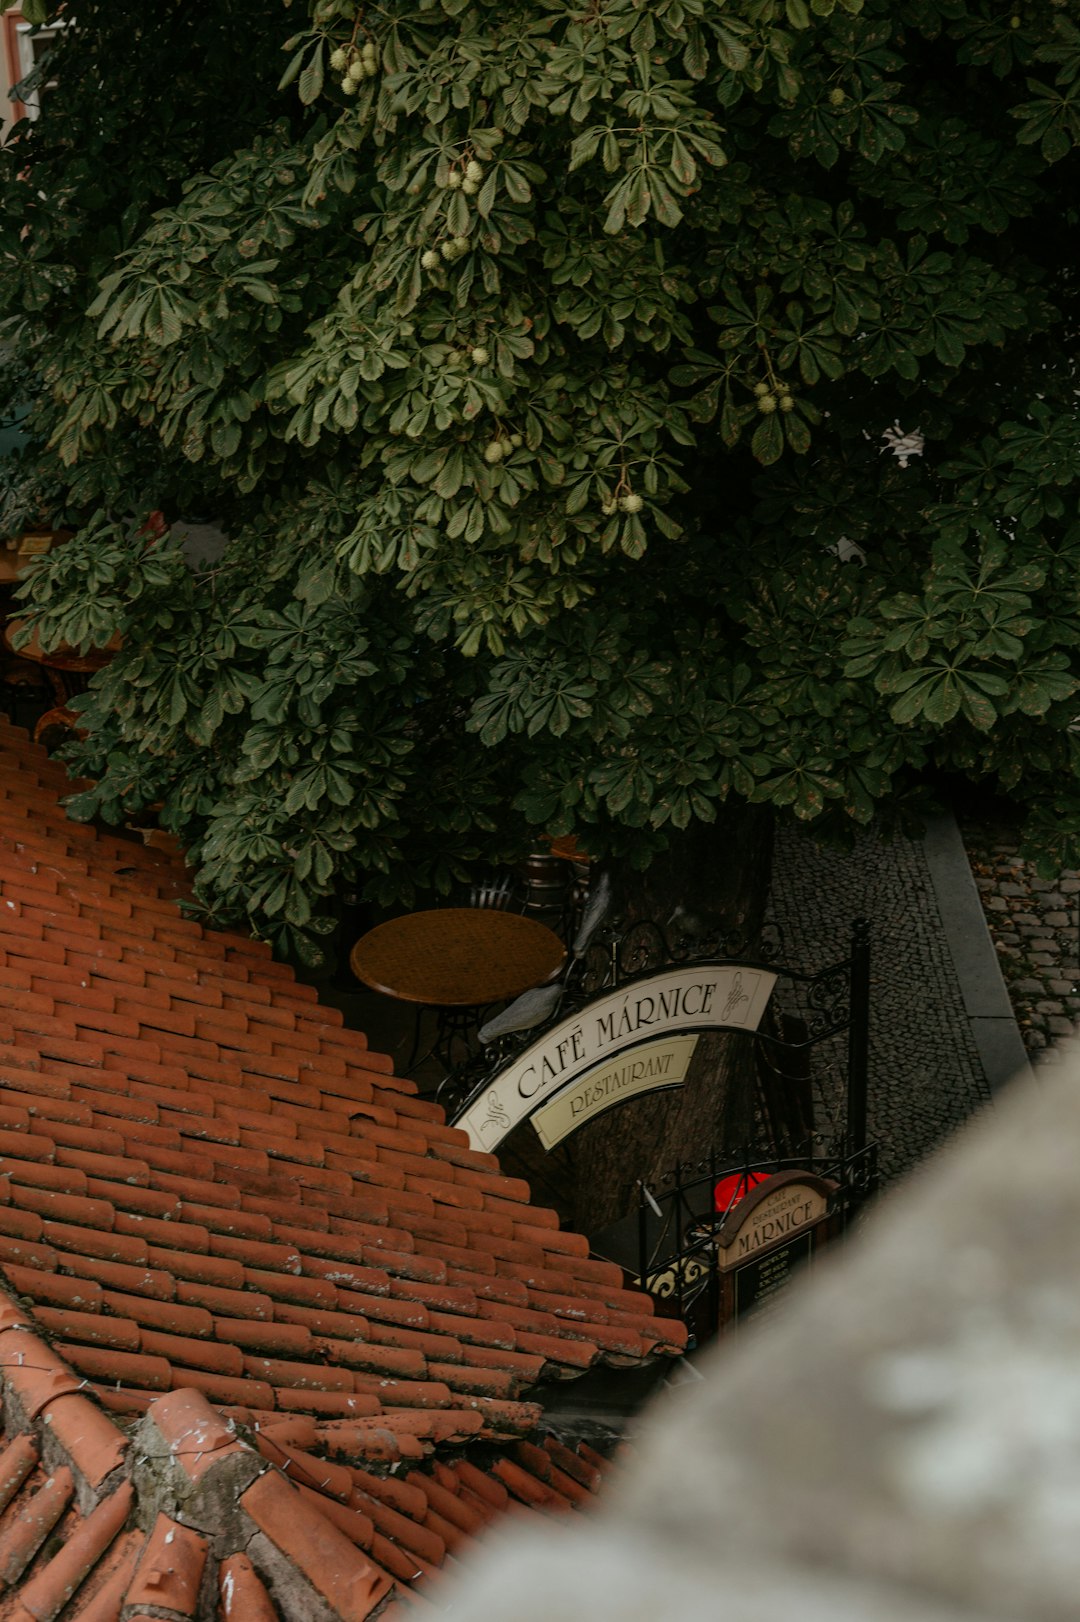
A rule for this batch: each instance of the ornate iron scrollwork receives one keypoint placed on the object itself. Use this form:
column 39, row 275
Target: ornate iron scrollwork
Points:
column 617, row 951
column 640, row 948
column 828, row 1001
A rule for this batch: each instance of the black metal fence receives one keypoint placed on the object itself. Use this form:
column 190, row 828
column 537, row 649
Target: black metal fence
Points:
column 679, row 1223
column 829, row 1001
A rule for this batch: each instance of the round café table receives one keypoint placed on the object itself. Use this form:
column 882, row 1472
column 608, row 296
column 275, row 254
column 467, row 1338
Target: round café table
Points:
column 457, row 961
column 68, row 670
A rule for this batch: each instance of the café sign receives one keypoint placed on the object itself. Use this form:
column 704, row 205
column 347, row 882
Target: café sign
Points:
column 642, row 1070
column 768, row 1237
column 774, row 1212
column 696, row 997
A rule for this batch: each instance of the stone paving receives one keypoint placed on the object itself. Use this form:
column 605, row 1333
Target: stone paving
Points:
column 1034, row 926
column 926, row 1079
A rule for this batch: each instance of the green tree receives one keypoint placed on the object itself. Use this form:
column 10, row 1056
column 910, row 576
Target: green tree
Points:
column 618, row 411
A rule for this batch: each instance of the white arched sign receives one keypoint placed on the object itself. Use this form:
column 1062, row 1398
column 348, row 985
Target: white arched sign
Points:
column 696, row 998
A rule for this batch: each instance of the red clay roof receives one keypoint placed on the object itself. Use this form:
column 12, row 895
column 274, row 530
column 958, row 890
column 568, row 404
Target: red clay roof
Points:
column 210, row 1187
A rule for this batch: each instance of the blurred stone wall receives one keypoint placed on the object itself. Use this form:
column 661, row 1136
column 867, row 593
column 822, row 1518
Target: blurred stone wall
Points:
column 900, row 1441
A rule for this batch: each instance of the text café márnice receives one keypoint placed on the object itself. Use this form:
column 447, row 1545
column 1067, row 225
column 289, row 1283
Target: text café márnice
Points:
column 700, row 997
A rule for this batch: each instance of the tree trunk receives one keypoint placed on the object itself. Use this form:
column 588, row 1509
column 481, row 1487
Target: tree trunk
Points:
column 715, row 880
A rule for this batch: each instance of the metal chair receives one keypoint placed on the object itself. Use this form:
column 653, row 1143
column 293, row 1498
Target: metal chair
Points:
column 500, row 890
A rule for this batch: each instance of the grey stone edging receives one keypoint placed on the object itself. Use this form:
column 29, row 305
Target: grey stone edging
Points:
column 978, row 971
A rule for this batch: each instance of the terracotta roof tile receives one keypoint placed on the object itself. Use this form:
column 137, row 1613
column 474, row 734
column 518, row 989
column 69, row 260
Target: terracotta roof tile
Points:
column 409, row 1314
column 122, row 1182
column 305, row 1468
column 350, row 1275
column 216, row 1357
column 339, row 1325
column 213, row 1189
column 100, row 1599
column 79, row 1133
column 480, row 1330
column 20, row 1233
column 167, row 1316
column 20, row 1224
column 224, row 1302
column 55, row 1288
column 305, row 1292
column 556, row 1353
column 219, row 1271
column 32, row 1371
column 538, row 1494
column 26, row 1253
column 38, row 1174
column 401, row 1528
column 330, row 1404
column 224, row 1388
column 16, row 1462
column 23, row 1534
column 90, row 1328
column 170, row 1570
column 370, row 1358
column 338, row 1573
column 48, row 1591
column 126, row 1277
column 127, row 1368
column 27, row 1145
column 299, row 1376
column 243, row 1595
column 415, row 1340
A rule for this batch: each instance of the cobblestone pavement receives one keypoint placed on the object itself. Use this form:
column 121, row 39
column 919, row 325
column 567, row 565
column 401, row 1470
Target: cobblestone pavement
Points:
column 1034, row 926
column 926, row 1079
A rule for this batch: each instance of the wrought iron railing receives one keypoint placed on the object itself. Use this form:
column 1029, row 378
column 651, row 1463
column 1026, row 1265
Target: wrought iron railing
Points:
column 678, row 1224
column 833, row 999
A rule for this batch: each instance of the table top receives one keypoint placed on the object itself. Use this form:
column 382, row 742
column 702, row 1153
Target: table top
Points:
column 63, row 657
column 13, row 559
column 11, row 567
column 457, row 957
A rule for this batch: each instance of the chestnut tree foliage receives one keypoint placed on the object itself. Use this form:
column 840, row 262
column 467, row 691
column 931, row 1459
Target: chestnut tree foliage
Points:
column 614, row 409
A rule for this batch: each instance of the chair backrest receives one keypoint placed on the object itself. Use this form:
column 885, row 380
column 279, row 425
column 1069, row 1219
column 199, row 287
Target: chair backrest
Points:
column 532, row 1008
column 596, row 909
column 498, row 890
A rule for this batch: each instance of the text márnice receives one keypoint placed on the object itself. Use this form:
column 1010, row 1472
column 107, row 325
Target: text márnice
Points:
column 614, row 1026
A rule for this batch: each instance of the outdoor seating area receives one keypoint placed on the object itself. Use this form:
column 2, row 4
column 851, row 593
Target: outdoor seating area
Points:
column 457, row 962
column 447, row 973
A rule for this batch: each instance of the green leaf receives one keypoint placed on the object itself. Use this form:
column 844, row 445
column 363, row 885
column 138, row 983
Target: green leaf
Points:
column 797, row 432
column 311, row 78
column 290, row 72
column 941, row 699
column 767, row 443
